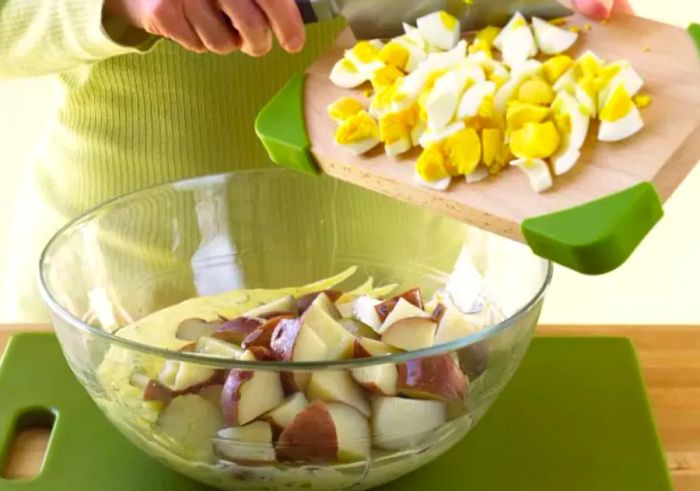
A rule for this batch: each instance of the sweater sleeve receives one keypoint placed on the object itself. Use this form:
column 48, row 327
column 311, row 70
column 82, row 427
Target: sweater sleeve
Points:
column 38, row 37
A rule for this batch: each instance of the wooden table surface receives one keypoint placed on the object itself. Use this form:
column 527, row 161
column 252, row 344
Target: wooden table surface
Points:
column 670, row 357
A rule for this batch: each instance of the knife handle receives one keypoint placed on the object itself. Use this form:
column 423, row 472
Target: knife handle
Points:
column 313, row 11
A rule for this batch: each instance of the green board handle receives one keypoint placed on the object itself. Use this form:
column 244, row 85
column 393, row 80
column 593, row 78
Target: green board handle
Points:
column 593, row 238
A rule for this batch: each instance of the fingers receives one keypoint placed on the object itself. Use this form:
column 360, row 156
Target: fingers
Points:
column 595, row 9
column 251, row 23
column 167, row 18
column 285, row 19
column 623, row 6
column 212, row 27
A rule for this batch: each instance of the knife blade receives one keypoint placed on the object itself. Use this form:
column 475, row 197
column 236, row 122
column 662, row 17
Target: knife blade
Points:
column 370, row 19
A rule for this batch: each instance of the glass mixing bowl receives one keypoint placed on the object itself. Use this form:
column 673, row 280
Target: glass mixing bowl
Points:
column 270, row 229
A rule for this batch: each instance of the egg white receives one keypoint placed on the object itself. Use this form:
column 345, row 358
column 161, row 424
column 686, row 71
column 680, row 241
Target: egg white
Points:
column 537, row 173
column 551, row 39
column 360, row 147
column 436, row 33
column 473, row 98
column 442, row 102
column 439, row 185
column 628, row 125
column 430, row 137
column 478, row 175
column 347, row 79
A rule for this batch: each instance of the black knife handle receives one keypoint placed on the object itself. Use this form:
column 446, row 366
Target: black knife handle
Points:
column 307, row 11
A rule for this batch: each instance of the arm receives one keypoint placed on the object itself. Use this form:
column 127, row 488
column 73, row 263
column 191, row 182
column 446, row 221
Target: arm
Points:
column 38, row 37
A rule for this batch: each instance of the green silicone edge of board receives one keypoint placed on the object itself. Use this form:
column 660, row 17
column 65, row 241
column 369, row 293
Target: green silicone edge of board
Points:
column 694, row 31
column 596, row 237
column 281, row 127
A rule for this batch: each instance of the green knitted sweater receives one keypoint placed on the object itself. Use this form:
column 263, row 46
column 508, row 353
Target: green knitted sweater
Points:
column 133, row 110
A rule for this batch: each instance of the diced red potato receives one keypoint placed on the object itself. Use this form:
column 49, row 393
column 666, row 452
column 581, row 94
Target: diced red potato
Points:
column 434, row 377
column 262, row 335
column 246, row 445
column 413, row 297
column 371, row 348
column 285, row 304
column 329, row 302
column 248, row 394
column 378, row 379
column 193, row 329
column 236, row 330
column 325, row 432
column 411, row 333
column 295, row 341
column 403, row 310
column 399, row 423
column 284, row 414
column 337, row 386
column 191, row 421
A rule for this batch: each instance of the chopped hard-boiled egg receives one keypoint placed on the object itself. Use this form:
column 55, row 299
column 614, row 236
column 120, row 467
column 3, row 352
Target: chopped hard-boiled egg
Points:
column 537, row 173
column 551, row 39
column 556, row 66
column 619, row 118
column 365, row 55
column 473, row 99
column 475, row 108
column 345, row 74
column 358, row 134
column 440, row 30
column 344, row 108
column 536, row 92
column 573, row 125
column 516, row 41
column 430, row 137
column 535, row 140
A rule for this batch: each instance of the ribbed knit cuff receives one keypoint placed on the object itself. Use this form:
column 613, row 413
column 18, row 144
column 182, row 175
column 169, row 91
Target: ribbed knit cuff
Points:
column 103, row 37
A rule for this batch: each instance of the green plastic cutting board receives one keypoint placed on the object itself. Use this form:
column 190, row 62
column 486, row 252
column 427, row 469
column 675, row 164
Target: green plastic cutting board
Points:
column 575, row 418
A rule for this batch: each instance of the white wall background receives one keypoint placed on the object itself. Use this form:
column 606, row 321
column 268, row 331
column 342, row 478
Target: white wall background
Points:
column 659, row 284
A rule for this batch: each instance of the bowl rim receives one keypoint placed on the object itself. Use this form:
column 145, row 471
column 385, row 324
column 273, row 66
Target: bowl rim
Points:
column 222, row 363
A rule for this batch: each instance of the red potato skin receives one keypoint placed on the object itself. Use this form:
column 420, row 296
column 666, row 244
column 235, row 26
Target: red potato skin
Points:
column 231, row 394
column 262, row 336
column 262, row 353
column 311, row 437
column 282, row 346
column 434, row 377
column 438, row 313
column 412, row 296
column 304, row 302
column 155, row 391
column 359, row 351
column 236, row 330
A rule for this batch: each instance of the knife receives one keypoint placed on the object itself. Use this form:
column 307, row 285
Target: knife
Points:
column 370, row 19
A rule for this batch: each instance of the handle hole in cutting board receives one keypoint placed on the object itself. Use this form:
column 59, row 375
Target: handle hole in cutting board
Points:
column 25, row 452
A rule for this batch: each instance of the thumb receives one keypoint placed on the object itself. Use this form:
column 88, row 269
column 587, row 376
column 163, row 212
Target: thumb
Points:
column 595, row 9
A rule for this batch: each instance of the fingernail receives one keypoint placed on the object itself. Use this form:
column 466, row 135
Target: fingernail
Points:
column 293, row 45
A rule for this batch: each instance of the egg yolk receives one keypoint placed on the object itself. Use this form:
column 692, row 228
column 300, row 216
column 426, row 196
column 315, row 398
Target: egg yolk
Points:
column 365, row 52
column 349, row 66
column 588, row 65
column 492, row 145
column 450, row 22
column 556, row 66
column 395, row 54
column 463, row 151
column 357, row 128
column 383, row 97
column 519, row 114
column 563, row 122
column 344, row 107
column 431, row 163
column 642, row 100
column 486, row 116
column 488, row 34
column 386, row 76
column 480, row 45
column 394, row 127
column 535, row 141
column 519, row 22
column 536, row 92
column 607, row 73
column 618, row 105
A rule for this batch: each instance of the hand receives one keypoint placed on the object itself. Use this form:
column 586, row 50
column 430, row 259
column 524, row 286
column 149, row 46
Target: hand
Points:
column 220, row 26
column 601, row 9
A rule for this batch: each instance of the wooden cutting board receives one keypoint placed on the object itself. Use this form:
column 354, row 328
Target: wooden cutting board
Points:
column 594, row 216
